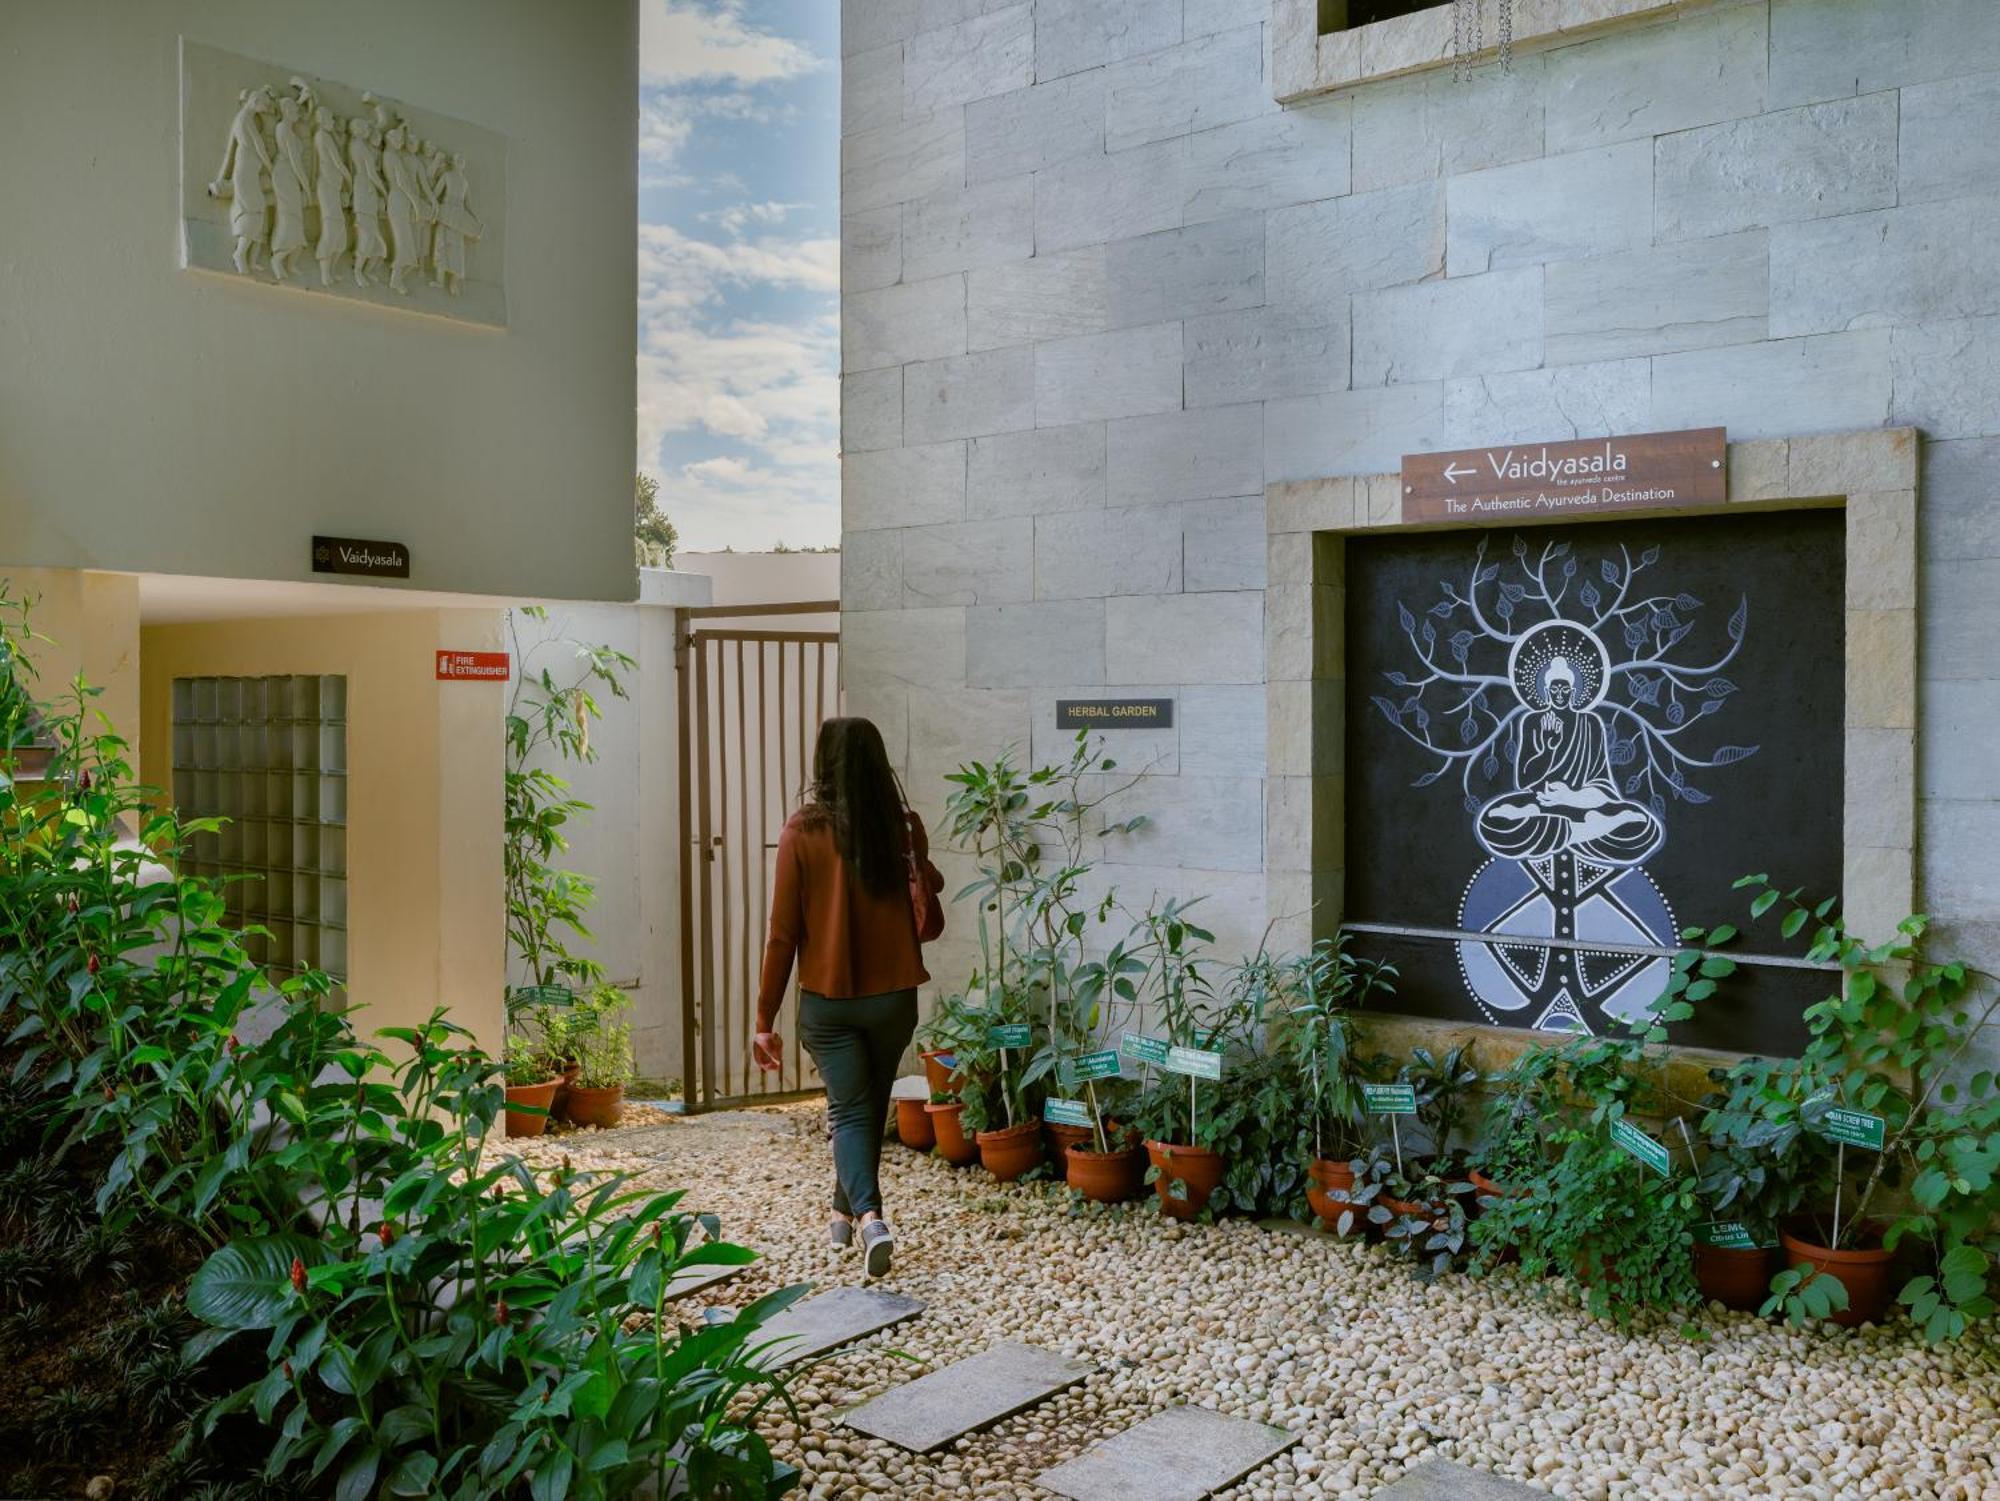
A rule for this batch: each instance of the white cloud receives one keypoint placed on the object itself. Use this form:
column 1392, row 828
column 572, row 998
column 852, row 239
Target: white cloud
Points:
column 680, row 41
column 740, row 216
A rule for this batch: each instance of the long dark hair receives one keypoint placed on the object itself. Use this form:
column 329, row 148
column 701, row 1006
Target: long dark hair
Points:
column 854, row 789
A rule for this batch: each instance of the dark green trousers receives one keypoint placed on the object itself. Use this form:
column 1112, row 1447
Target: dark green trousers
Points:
column 857, row 1044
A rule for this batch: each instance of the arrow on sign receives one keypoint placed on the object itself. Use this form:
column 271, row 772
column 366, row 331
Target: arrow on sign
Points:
column 1452, row 472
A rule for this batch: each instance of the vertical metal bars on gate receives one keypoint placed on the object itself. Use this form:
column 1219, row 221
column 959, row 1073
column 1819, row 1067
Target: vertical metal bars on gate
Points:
column 752, row 699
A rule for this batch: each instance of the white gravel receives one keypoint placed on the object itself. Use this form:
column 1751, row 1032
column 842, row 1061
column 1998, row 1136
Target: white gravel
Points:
column 1332, row 1341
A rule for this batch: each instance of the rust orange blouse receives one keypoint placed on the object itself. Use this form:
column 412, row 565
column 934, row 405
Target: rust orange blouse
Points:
column 848, row 941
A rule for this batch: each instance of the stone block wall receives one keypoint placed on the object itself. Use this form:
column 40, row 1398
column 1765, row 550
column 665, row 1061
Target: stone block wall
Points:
column 1100, row 290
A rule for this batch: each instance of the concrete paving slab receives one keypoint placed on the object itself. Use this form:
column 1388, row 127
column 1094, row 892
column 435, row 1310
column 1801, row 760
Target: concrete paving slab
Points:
column 965, row 1396
column 831, row 1319
column 693, row 1279
column 1182, row 1454
column 1440, row 1480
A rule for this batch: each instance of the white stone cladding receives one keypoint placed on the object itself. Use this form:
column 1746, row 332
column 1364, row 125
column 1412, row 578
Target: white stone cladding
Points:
column 1780, row 216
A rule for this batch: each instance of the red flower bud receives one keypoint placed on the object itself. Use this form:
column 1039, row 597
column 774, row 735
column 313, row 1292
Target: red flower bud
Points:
column 90, row 964
column 388, row 1235
column 656, row 1232
column 288, row 1370
column 83, row 780
column 500, row 1312
column 298, row 1273
column 231, row 1044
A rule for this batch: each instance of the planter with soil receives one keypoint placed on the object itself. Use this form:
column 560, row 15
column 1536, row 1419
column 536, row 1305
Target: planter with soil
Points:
column 1196, row 1169
column 537, row 1097
column 1011, row 1151
column 1106, row 1177
column 953, row 1145
column 585, row 1106
column 913, row 1125
column 1060, row 1138
column 1864, row 1269
column 1327, row 1191
column 937, row 1071
column 1737, row 1277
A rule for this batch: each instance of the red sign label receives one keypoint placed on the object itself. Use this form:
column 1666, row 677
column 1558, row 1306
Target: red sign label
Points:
column 472, row 666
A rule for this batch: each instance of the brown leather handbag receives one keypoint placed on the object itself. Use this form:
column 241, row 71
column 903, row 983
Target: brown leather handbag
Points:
column 926, row 881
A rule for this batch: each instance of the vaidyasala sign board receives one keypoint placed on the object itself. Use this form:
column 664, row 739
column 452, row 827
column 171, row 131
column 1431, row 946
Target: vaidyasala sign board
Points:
column 1548, row 481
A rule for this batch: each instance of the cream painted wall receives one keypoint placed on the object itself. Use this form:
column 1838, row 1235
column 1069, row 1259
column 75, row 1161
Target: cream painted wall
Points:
column 425, row 909
column 91, row 625
column 155, row 419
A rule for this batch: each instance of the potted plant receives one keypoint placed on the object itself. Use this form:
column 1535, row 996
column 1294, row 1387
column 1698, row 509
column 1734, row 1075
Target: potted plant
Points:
column 1753, row 1180
column 947, row 1113
column 1108, row 1167
column 1007, row 1131
column 1325, row 983
column 1443, row 1083
column 603, row 1054
column 530, row 1086
column 913, row 1122
column 1886, row 1055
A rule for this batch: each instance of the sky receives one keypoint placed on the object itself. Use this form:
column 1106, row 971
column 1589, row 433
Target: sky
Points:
column 739, row 269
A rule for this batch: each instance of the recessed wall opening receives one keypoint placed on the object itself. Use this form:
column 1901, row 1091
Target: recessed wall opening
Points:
column 1345, row 15
column 1578, row 737
column 268, row 756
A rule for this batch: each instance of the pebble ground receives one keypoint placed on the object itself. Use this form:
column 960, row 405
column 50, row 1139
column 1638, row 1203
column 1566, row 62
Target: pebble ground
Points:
column 1334, row 1341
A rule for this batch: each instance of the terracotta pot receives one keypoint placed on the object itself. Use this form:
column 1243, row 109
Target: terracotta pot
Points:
column 1331, row 1183
column 566, row 1079
column 1484, row 1187
column 1106, row 1177
column 935, row 1073
column 1061, row 1138
column 584, row 1106
column 1864, row 1272
column 1197, row 1168
column 1733, row 1276
column 953, row 1145
column 1012, row 1150
column 538, row 1096
column 913, row 1125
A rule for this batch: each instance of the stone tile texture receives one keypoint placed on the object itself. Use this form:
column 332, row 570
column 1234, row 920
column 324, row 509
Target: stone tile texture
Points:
column 965, row 1396
column 1182, row 1454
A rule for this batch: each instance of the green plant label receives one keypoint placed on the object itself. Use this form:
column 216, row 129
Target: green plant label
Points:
column 1099, row 1065
column 1857, row 1128
column 1010, row 1035
column 1143, row 1049
column 1730, row 1236
column 1629, row 1137
column 1196, row 1062
column 1066, row 1112
column 543, row 995
column 1390, row 1099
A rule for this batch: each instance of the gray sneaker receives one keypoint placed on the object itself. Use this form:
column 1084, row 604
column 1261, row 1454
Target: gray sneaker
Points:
column 878, row 1244
column 840, row 1233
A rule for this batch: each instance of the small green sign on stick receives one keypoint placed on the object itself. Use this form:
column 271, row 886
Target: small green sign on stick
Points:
column 1849, row 1128
column 1196, row 1063
column 1099, row 1065
column 1730, row 1235
column 1143, row 1049
column 1010, row 1035
column 1629, row 1137
column 1389, row 1099
column 1067, row 1112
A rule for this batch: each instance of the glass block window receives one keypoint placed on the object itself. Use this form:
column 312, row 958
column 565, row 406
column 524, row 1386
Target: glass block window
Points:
column 270, row 756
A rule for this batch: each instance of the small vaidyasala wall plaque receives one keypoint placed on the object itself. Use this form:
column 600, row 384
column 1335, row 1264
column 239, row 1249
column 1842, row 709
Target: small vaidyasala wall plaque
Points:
column 382, row 560
column 1114, row 713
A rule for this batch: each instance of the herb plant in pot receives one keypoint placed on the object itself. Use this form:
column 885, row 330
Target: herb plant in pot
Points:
column 603, row 1053
column 1885, row 1096
column 531, row 1086
column 1316, row 1035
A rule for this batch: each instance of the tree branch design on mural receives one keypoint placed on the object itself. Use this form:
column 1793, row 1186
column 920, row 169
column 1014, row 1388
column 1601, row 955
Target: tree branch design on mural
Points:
column 1559, row 696
column 290, row 190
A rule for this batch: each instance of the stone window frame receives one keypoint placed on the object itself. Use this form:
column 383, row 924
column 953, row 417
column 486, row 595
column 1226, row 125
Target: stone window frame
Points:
column 1871, row 474
column 1305, row 62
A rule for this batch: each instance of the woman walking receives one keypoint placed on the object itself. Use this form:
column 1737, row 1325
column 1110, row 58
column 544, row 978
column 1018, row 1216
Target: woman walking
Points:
column 851, row 864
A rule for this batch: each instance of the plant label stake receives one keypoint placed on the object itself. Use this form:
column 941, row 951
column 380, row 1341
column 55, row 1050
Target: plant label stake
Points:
column 1196, row 1063
column 1845, row 1128
column 1394, row 1101
column 1147, row 1050
column 1636, row 1142
column 1004, row 1036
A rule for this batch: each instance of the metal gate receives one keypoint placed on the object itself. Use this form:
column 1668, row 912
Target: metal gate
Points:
column 751, row 704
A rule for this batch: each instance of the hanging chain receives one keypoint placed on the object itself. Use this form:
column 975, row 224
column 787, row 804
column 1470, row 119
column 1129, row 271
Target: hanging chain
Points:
column 1468, row 36
column 1506, row 36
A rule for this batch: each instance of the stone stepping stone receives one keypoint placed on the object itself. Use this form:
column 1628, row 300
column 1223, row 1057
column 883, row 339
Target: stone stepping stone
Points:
column 970, row 1394
column 1182, row 1454
column 1440, row 1480
column 694, row 1278
column 833, row 1318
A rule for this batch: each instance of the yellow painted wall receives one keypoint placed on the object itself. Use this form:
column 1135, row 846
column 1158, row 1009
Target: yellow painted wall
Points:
column 91, row 622
column 424, row 816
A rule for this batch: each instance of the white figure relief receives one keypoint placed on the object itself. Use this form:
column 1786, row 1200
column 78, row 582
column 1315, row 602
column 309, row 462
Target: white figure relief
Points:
column 370, row 194
column 291, row 176
column 432, row 169
column 334, row 184
column 456, row 224
column 240, row 179
column 410, row 209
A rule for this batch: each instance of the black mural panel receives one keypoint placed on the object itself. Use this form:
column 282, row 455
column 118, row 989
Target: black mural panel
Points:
column 1589, row 732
